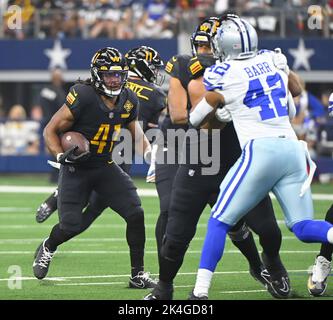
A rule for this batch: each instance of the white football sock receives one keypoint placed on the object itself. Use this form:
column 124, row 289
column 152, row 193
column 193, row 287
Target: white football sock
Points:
column 204, row 278
column 330, row 235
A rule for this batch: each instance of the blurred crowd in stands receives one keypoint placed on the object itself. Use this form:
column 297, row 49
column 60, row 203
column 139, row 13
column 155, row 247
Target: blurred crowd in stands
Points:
column 128, row 19
column 20, row 133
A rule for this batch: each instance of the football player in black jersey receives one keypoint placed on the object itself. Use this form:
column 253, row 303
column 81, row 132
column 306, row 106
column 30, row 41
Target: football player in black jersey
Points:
column 179, row 105
column 192, row 191
column 144, row 79
column 97, row 108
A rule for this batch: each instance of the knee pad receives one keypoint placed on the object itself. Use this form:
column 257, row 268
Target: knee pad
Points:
column 173, row 250
column 136, row 217
column 240, row 234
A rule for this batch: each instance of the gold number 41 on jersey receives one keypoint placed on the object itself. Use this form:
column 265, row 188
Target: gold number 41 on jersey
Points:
column 101, row 137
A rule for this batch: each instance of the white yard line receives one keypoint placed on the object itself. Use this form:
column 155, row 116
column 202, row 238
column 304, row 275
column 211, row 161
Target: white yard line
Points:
column 145, row 192
column 15, row 209
column 16, row 252
column 242, row 291
column 99, row 240
column 89, row 284
column 107, row 276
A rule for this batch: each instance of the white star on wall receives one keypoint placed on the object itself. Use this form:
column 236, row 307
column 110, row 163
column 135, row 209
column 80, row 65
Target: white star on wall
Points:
column 301, row 56
column 57, row 55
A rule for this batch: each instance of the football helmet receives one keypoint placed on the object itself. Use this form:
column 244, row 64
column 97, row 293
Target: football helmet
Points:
column 206, row 30
column 203, row 33
column 146, row 63
column 235, row 39
column 109, row 71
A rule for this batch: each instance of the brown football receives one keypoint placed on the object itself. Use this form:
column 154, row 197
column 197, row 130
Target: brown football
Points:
column 72, row 138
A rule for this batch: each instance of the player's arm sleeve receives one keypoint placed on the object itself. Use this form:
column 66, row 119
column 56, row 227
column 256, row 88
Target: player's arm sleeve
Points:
column 135, row 110
column 76, row 99
column 172, row 67
column 198, row 64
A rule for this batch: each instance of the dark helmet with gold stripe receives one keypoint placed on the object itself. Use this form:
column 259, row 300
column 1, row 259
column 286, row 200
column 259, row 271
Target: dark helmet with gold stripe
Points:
column 145, row 62
column 109, row 71
column 206, row 30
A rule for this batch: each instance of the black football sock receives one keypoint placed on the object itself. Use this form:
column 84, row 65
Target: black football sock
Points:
column 169, row 270
column 160, row 231
column 51, row 201
column 57, row 237
column 249, row 250
column 135, row 235
column 326, row 249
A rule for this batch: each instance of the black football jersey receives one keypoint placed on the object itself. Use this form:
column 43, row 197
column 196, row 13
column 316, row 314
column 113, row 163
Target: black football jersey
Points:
column 99, row 124
column 198, row 64
column 177, row 67
column 229, row 145
column 152, row 101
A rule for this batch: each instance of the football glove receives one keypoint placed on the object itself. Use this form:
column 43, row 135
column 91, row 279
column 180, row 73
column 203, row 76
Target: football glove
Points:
column 330, row 105
column 151, row 177
column 68, row 157
column 280, row 61
column 223, row 115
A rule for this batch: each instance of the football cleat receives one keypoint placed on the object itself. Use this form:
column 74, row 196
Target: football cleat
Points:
column 279, row 284
column 261, row 275
column 47, row 207
column 317, row 282
column 192, row 296
column 280, row 287
column 160, row 293
column 142, row 281
column 43, row 257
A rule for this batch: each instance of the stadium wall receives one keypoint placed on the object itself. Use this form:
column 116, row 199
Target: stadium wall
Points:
column 31, row 61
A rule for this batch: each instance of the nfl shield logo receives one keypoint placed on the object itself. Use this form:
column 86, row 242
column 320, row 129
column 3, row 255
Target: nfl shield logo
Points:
column 191, row 172
column 111, row 115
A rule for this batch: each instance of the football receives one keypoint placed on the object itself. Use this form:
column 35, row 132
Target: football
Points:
column 72, row 138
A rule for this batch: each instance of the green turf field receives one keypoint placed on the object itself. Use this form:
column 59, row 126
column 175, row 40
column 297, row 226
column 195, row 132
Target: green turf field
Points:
column 95, row 265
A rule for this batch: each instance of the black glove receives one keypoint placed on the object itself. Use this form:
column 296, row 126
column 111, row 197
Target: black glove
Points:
column 69, row 157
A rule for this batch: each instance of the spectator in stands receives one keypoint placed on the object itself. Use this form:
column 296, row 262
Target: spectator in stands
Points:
column 27, row 12
column 156, row 21
column 118, row 19
column 309, row 112
column 90, row 18
column 18, row 135
column 51, row 98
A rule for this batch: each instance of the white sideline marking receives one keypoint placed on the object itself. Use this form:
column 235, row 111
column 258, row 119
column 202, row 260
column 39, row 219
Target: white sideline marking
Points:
column 146, row 251
column 145, row 192
column 127, row 275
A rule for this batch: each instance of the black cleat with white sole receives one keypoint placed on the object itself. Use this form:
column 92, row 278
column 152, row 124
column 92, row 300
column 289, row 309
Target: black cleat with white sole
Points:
column 43, row 257
column 142, row 281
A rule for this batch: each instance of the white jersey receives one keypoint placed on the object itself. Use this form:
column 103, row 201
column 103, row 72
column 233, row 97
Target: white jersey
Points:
column 256, row 95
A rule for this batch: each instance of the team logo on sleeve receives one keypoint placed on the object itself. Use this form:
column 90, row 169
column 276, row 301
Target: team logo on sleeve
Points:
column 71, row 97
column 128, row 106
column 168, row 67
column 195, row 67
